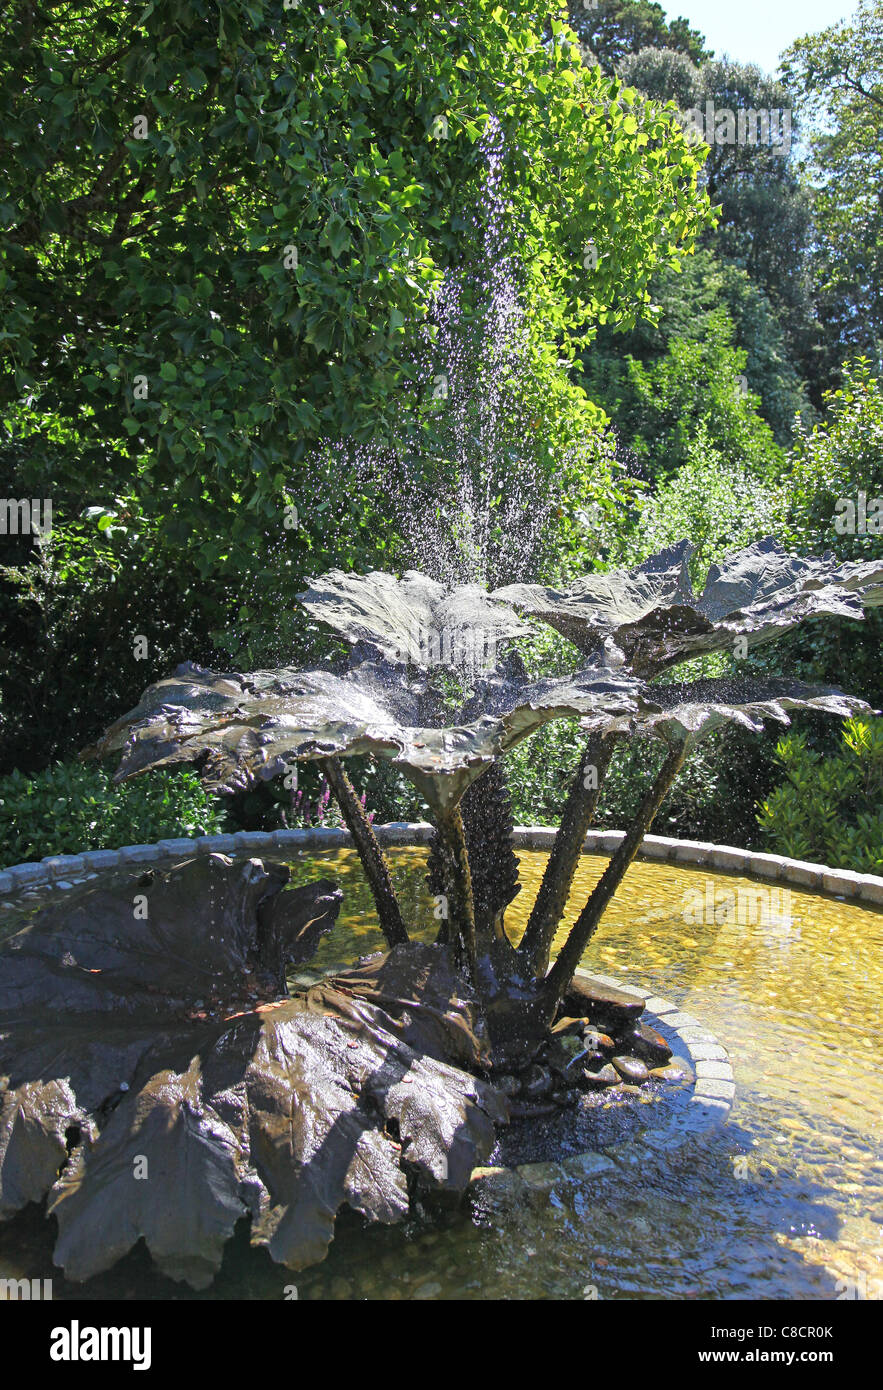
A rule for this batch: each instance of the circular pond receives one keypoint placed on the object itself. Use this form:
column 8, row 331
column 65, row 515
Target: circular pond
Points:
column 785, row 1201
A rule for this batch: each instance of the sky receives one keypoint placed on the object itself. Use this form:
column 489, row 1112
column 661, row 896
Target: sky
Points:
column 756, row 31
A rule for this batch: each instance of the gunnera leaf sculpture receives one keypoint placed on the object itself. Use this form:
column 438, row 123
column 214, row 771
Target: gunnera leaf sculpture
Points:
column 630, row 626
column 652, row 618
column 283, row 1108
column 159, row 1082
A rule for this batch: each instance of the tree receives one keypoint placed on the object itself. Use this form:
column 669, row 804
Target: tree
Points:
column 696, row 387
column 693, row 304
column 763, row 207
column 838, row 74
column 611, row 29
column 834, row 490
column 221, row 235
column 664, row 74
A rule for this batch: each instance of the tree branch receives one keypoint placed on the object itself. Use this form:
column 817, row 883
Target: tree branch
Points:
column 856, row 86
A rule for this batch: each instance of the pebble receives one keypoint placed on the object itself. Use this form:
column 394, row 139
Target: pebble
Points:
column 566, row 1026
column 631, row 1069
column 599, row 1042
column 605, row 1005
column 607, row 1076
column 591, row 1059
column 644, row 1042
column 670, row 1073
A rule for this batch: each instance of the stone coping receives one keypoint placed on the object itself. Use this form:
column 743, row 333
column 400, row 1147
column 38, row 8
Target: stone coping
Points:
column 61, row 869
column 709, row 1106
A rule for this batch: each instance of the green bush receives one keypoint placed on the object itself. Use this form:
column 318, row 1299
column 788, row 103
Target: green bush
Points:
column 832, row 463
column 831, row 466
column 658, row 407
column 719, row 506
column 829, row 808
column 71, row 807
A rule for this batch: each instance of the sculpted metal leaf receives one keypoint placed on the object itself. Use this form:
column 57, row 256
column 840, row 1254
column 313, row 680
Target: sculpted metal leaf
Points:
column 600, row 604
column 414, row 620
column 654, row 619
column 245, row 727
column 691, row 709
column 157, row 1081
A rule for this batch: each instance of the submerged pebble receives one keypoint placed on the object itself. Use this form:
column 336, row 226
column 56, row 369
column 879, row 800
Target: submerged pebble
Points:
column 631, row 1069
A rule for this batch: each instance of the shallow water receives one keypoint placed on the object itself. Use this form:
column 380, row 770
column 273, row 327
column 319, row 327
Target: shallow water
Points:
column 786, row 1201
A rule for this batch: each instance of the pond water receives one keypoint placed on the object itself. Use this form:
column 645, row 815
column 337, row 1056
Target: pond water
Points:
column 785, row 1201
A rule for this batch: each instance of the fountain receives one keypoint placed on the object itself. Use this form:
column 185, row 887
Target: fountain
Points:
column 167, row 1070
column 174, row 1040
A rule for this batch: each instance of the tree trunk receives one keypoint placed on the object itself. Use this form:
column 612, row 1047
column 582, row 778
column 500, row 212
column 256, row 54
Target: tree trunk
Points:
column 369, row 851
column 562, row 971
column 579, row 809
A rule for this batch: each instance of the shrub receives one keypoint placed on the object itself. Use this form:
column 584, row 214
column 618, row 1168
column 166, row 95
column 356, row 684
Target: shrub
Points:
column 719, row 506
column 71, row 807
column 831, row 466
column 829, row 808
column 383, row 790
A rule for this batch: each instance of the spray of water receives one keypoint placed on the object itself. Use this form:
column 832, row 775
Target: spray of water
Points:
column 471, row 501
column 471, row 494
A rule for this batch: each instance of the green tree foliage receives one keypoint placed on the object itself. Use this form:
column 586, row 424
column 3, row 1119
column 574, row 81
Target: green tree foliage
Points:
column 830, row 808
column 164, row 172
column 697, row 301
column 222, row 231
column 720, row 506
column 611, row 29
column 73, row 606
column 714, row 799
column 838, row 77
column 764, row 207
column 840, row 456
column 696, row 387
column 835, row 479
column 663, row 74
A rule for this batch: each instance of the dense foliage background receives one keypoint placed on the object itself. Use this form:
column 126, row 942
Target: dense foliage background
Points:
column 222, row 231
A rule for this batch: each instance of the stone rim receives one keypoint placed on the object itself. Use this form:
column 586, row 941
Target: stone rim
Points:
column 60, row 869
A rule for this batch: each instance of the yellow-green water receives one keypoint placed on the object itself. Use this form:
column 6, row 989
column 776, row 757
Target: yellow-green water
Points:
column 785, row 1202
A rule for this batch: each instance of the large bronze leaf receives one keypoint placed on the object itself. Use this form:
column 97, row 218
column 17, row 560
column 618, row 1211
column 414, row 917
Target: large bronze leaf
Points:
column 655, row 620
column 157, row 1081
column 691, row 709
column 413, row 620
column 599, row 604
column 241, row 728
